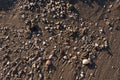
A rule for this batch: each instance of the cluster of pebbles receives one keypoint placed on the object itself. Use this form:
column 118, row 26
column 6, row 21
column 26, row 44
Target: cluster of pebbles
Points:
column 52, row 34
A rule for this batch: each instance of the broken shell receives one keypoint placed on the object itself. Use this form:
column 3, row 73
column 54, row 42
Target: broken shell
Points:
column 86, row 61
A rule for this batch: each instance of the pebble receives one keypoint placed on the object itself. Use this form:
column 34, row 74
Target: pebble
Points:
column 34, row 65
column 1, row 49
column 110, row 28
column 40, row 76
column 107, row 22
column 78, row 53
column 113, row 67
column 96, row 45
column 106, row 44
column 65, row 57
column 50, row 56
column 101, row 31
column 82, row 75
column 61, row 78
column 44, row 43
column 23, row 16
column 77, row 78
column 48, row 63
column 75, row 48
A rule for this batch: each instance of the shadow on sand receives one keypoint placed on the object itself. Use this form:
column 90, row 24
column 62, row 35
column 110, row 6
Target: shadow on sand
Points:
column 6, row 4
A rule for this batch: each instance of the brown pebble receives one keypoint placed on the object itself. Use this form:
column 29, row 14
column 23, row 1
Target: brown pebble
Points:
column 48, row 63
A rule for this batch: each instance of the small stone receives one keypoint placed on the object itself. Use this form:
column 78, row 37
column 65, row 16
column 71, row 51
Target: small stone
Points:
column 96, row 45
column 55, row 47
column 82, row 74
column 51, row 56
column 8, row 63
column 48, row 63
column 1, row 75
column 106, row 44
column 1, row 49
column 96, row 24
column 23, row 16
column 44, row 42
column 46, row 28
column 75, row 48
column 78, row 53
column 65, row 57
column 33, row 66
column 107, row 23
column 40, row 76
column 50, row 38
column 101, row 31
column 69, row 61
column 110, row 6
column 77, row 78
column 61, row 78
column 74, row 58
column 110, row 28
column 113, row 67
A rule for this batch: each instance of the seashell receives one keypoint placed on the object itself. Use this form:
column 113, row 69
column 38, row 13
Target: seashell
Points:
column 86, row 61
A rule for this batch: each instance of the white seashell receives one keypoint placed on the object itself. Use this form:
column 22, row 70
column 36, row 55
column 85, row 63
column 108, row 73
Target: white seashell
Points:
column 85, row 61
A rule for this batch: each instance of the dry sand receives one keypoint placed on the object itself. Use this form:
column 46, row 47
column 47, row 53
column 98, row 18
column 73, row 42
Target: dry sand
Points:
column 80, row 43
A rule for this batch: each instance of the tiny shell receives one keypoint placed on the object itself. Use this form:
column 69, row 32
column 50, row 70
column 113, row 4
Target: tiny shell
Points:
column 85, row 61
